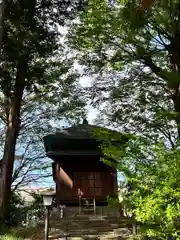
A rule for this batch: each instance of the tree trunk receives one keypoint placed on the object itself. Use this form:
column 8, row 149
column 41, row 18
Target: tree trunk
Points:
column 176, row 100
column 12, row 132
column 2, row 13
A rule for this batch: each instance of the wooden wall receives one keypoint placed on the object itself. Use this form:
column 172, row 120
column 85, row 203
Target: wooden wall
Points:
column 88, row 174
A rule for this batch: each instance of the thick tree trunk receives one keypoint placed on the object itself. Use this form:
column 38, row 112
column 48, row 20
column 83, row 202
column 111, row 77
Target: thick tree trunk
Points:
column 12, row 132
column 2, row 13
column 176, row 100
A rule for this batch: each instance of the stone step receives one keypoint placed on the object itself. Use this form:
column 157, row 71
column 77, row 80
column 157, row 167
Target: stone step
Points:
column 84, row 225
column 81, row 231
column 88, row 228
column 77, row 225
column 93, row 223
column 74, row 226
column 103, row 236
column 79, row 234
column 75, row 220
column 85, row 216
column 65, row 221
column 88, row 237
column 96, row 230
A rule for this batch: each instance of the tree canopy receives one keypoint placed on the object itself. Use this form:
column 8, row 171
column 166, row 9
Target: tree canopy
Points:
column 31, row 70
column 132, row 54
column 133, row 58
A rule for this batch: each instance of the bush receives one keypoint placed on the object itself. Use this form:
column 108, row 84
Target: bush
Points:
column 16, row 211
column 36, row 208
column 153, row 175
column 156, row 192
column 9, row 237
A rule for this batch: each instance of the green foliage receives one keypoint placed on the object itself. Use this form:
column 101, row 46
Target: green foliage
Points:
column 155, row 194
column 134, row 59
column 32, row 39
column 9, row 237
column 36, row 207
column 20, row 233
column 29, row 55
column 132, row 56
column 51, row 84
column 16, row 210
column 38, row 201
column 32, row 36
column 112, row 201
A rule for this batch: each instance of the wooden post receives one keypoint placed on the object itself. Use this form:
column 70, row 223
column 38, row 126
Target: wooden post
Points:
column 94, row 203
column 46, row 228
column 79, row 204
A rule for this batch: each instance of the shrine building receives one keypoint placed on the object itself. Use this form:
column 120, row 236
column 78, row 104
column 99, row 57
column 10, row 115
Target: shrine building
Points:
column 78, row 171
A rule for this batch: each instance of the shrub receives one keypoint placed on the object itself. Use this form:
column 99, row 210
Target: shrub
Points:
column 16, row 210
column 9, row 237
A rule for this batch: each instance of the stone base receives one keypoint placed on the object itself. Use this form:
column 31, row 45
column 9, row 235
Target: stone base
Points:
column 70, row 212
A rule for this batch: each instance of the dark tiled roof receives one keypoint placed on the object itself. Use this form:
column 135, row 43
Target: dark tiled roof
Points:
column 82, row 136
column 83, row 131
column 79, row 131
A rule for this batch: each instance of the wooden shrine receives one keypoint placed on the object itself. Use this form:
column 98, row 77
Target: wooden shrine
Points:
column 77, row 169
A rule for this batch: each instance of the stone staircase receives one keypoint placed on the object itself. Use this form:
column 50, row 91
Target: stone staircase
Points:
column 81, row 227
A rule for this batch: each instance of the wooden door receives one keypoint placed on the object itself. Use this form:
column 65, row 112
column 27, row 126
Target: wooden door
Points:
column 94, row 184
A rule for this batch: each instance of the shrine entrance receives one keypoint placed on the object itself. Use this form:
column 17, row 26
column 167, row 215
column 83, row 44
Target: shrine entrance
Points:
column 90, row 184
